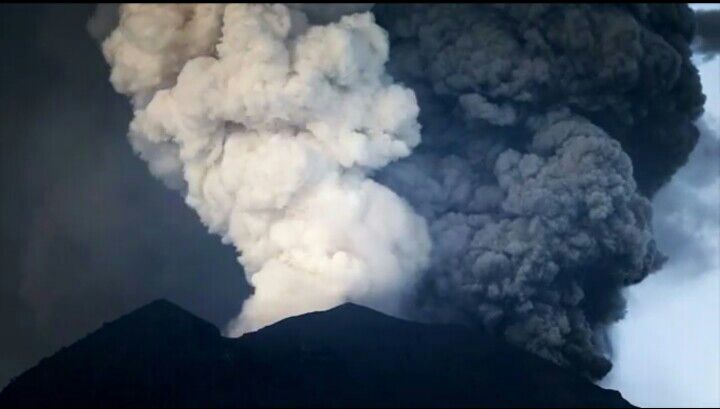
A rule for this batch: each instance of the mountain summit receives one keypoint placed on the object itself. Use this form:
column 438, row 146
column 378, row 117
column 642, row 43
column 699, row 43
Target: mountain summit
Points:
column 162, row 356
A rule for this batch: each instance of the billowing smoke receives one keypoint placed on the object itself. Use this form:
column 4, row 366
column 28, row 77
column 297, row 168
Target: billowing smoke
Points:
column 534, row 245
column 269, row 124
column 626, row 68
column 545, row 128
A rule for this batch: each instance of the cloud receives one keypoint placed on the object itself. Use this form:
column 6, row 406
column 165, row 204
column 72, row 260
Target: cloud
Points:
column 268, row 125
column 666, row 349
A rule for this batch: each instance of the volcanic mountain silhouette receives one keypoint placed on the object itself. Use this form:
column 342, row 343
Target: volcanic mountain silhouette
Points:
column 162, row 356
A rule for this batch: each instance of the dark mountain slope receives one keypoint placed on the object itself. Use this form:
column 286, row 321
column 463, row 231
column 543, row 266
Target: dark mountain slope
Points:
column 161, row 355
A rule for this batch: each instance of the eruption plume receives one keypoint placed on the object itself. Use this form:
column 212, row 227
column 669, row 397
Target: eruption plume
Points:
column 269, row 125
column 545, row 128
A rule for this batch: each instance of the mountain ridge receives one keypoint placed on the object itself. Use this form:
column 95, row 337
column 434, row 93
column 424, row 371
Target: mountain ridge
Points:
column 160, row 355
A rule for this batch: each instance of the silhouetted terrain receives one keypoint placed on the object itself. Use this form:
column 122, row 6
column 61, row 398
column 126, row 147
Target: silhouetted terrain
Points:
column 161, row 355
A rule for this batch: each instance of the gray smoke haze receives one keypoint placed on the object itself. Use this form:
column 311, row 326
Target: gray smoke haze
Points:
column 545, row 130
column 708, row 32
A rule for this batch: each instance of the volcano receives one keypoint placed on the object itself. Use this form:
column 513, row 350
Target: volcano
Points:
column 163, row 356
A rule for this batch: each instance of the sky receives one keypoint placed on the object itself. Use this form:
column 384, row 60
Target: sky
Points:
column 667, row 349
column 86, row 233
column 67, row 266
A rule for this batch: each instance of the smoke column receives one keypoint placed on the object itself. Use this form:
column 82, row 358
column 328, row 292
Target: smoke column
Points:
column 545, row 129
column 269, row 124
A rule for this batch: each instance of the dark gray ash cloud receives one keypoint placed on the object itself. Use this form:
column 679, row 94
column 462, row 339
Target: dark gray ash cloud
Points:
column 546, row 128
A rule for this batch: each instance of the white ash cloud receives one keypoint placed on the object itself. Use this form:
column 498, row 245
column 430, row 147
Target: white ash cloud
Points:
column 268, row 124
